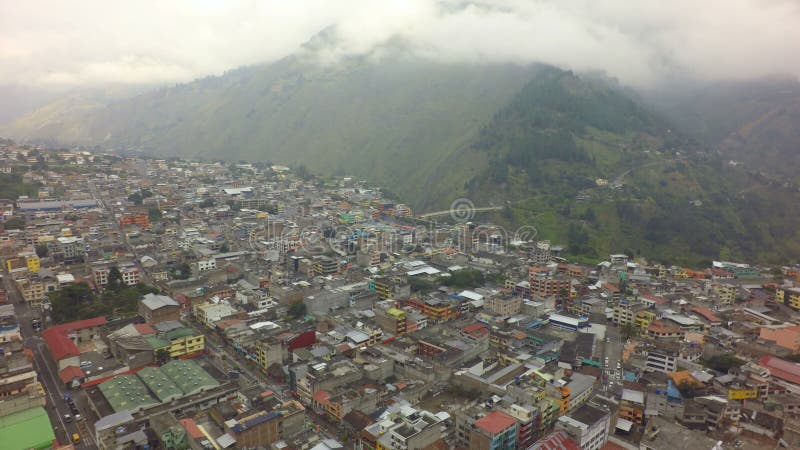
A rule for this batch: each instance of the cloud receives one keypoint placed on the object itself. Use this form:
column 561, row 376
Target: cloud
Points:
column 50, row 42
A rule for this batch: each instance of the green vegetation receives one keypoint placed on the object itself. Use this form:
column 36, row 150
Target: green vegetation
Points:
column 11, row 187
column 14, row 223
column 464, row 279
column 77, row 302
column 723, row 363
column 297, row 309
column 42, row 250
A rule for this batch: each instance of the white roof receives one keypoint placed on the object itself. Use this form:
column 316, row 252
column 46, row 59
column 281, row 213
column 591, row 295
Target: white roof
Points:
column 565, row 319
column 624, row 425
column 470, row 295
column 154, row 301
column 633, row 396
column 64, row 278
column 428, row 270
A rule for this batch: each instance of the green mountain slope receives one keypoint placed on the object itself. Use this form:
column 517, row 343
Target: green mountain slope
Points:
column 754, row 122
column 553, row 147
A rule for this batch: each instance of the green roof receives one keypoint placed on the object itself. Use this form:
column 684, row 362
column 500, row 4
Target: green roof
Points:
column 165, row 389
column 180, row 333
column 127, row 392
column 189, row 376
column 156, row 343
column 27, row 429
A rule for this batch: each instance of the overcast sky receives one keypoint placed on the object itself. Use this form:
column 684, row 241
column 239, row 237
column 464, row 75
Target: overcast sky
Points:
column 84, row 42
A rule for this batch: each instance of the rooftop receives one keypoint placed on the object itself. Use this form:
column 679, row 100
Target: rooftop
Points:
column 495, row 422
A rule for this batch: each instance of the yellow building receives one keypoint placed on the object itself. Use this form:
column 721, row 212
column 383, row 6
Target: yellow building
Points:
column 789, row 296
column 644, row 319
column 33, row 263
column 179, row 342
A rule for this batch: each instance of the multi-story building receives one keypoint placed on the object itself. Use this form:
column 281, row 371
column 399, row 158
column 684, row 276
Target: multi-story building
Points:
column 541, row 252
column 391, row 320
column 786, row 336
column 206, row 265
column 643, row 319
column 504, row 305
column 625, row 312
column 663, row 359
column 789, row 296
column 142, row 220
column 725, row 293
column 100, row 275
column 494, row 431
column 269, row 351
column 588, row 426
column 154, row 308
column 527, row 417
column 545, row 286
column 408, row 429
column 631, row 406
column 131, row 276
column 262, row 428
column 33, row 290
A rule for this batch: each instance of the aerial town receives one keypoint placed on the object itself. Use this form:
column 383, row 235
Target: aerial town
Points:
column 174, row 304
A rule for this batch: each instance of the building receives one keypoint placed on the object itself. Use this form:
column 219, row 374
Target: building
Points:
column 141, row 220
column 154, row 309
column 494, row 431
column 206, row 265
column 131, row 276
column 541, row 252
column 263, row 428
column 588, row 426
column 28, row 429
column 504, row 305
column 789, row 296
column 547, row 286
column 62, row 339
column 786, row 336
column 662, row 359
column 269, row 351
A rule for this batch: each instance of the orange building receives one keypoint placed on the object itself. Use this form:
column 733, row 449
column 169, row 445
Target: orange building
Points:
column 138, row 219
column 783, row 336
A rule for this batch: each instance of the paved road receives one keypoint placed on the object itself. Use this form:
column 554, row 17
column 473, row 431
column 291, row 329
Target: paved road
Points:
column 613, row 350
column 48, row 374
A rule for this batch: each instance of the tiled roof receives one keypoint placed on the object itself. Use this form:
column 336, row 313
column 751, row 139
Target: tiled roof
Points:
column 69, row 373
column 557, row 440
column 781, row 369
column 495, row 422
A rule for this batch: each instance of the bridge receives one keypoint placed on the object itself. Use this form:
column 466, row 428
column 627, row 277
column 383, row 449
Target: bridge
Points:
column 447, row 212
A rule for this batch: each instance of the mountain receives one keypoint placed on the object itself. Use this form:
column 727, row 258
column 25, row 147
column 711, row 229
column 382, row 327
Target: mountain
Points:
column 373, row 118
column 587, row 165
column 580, row 159
column 754, row 121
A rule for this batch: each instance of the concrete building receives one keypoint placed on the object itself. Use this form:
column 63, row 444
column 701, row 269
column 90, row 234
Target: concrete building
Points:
column 588, row 426
column 154, row 309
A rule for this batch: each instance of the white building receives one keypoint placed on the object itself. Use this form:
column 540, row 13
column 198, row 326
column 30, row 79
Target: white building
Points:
column 588, row 426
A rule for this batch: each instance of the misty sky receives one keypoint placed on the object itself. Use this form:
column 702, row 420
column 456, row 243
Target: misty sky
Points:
column 64, row 43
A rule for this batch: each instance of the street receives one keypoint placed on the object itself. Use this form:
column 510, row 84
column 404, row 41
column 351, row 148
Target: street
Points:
column 47, row 372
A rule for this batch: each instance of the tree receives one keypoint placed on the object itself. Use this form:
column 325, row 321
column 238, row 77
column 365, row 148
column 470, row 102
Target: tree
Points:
column 297, row 309
column 114, row 278
column 42, row 250
column 628, row 330
column 154, row 214
column 687, row 389
column 162, row 356
column 14, row 223
column 136, row 198
column 207, row 203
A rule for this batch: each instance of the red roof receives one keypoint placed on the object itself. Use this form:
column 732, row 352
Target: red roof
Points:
column 70, row 373
column 495, row 422
column 321, row 396
column 474, row 327
column 557, row 440
column 707, row 314
column 781, row 369
column 61, row 346
column 144, row 329
column 191, row 428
